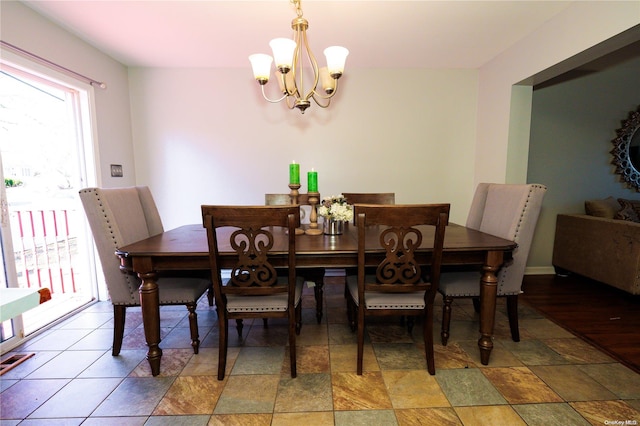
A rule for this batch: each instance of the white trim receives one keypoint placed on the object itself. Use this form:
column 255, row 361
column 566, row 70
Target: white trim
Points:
column 540, row 270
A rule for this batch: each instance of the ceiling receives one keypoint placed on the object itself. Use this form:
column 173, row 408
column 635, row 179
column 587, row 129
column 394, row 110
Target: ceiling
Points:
column 379, row 34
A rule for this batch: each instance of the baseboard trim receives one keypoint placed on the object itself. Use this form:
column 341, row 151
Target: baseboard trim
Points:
column 539, row 270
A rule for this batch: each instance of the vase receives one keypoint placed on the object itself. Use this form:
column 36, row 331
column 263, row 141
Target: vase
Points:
column 332, row 226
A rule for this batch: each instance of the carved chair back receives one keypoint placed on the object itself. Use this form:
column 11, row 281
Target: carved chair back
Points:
column 369, row 198
column 252, row 241
column 402, row 234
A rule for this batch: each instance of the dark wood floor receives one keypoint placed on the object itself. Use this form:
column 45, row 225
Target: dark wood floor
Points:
column 602, row 315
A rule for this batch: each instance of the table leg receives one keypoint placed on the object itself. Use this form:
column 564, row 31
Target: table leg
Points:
column 150, row 302
column 488, row 295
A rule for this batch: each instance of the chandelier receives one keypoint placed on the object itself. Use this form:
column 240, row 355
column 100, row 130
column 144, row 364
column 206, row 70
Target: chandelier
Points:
column 290, row 57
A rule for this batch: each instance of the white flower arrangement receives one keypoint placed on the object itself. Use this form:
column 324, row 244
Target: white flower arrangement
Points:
column 336, row 208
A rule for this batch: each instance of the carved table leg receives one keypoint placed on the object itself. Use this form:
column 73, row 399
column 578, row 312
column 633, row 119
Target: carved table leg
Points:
column 488, row 294
column 150, row 302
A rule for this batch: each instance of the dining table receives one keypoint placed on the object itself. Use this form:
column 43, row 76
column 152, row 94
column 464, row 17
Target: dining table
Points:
column 186, row 249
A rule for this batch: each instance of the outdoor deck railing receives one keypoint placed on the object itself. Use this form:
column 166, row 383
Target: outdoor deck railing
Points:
column 44, row 246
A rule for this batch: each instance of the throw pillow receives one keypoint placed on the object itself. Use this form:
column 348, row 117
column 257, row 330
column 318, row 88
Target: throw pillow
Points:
column 606, row 208
column 630, row 210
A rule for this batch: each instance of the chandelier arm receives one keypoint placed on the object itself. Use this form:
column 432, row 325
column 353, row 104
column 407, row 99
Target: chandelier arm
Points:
column 314, row 66
column 315, row 99
column 295, row 90
column 329, row 96
column 289, row 104
column 296, row 69
column 273, row 101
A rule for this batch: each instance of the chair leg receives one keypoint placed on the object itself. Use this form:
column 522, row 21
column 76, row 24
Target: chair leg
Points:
column 352, row 310
column 512, row 310
column 446, row 319
column 193, row 326
column 292, row 344
column 119, row 316
column 346, row 289
column 298, row 318
column 239, row 326
column 360, row 339
column 265, row 323
column 476, row 304
column 428, row 339
column 410, row 323
column 317, row 275
column 210, row 295
column 223, row 324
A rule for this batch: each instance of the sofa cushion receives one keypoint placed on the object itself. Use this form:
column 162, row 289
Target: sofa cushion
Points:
column 630, row 210
column 606, row 208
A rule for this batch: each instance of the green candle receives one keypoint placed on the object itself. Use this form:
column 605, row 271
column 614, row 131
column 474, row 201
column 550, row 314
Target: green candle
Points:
column 312, row 181
column 294, row 173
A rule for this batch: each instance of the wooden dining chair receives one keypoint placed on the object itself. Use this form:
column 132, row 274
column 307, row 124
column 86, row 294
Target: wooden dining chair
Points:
column 369, row 198
column 285, row 200
column 365, row 198
column 255, row 289
column 388, row 237
column 120, row 216
column 509, row 211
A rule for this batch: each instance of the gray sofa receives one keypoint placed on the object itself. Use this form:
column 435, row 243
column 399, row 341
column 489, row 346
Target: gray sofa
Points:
column 601, row 248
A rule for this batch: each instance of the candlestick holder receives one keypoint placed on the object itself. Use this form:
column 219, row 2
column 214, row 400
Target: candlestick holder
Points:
column 294, row 194
column 314, row 200
column 294, row 187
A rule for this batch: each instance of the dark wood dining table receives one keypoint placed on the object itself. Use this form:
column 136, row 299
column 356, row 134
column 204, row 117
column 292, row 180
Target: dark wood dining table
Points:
column 185, row 249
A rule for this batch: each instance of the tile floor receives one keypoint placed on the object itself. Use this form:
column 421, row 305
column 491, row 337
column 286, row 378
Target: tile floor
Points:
column 548, row 378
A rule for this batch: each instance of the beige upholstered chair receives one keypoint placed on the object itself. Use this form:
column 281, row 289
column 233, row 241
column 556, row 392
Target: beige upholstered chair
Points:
column 120, row 216
column 507, row 211
column 255, row 289
column 400, row 285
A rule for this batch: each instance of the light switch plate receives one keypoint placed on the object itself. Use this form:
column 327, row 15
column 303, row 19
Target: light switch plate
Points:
column 116, row 170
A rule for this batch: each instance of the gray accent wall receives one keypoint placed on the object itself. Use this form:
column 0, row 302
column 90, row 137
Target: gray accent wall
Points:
column 572, row 126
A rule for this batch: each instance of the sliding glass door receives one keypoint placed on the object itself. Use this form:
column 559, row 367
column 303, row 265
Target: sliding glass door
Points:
column 45, row 137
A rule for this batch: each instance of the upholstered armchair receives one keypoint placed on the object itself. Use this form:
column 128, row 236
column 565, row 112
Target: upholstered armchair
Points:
column 507, row 211
column 120, row 216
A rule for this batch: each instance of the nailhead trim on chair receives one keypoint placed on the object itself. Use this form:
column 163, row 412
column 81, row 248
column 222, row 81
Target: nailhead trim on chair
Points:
column 110, row 226
column 525, row 211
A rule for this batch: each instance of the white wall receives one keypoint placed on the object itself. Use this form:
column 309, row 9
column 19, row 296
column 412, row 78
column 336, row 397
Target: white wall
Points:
column 193, row 130
column 207, row 136
column 22, row 27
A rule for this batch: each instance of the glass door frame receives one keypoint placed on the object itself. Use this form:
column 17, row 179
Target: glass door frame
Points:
column 85, row 133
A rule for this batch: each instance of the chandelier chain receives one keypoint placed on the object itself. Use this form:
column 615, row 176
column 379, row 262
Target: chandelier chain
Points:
column 296, row 4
